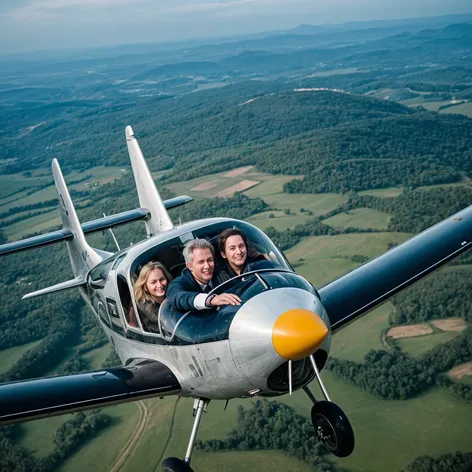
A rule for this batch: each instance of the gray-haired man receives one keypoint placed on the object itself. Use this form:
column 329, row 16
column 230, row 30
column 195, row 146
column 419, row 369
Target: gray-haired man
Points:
column 190, row 290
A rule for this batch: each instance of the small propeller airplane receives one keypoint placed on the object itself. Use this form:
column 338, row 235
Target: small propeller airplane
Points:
column 277, row 341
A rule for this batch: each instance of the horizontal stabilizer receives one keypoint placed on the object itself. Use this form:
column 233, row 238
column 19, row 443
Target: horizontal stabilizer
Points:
column 37, row 241
column 77, row 282
column 100, row 224
column 33, row 399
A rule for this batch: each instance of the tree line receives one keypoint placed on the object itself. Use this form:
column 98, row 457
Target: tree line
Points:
column 273, row 426
column 395, row 376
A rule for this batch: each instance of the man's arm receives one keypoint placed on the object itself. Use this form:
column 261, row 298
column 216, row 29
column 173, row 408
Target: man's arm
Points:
column 180, row 296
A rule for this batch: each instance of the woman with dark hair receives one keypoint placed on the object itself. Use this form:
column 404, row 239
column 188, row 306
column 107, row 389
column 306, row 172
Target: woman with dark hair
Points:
column 149, row 292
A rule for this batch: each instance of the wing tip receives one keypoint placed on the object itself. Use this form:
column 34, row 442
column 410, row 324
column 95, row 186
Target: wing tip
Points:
column 129, row 132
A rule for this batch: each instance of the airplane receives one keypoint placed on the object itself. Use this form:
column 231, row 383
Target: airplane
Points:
column 277, row 341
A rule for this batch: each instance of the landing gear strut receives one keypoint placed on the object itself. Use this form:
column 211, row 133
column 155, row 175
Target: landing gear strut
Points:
column 173, row 464
column 330, row 422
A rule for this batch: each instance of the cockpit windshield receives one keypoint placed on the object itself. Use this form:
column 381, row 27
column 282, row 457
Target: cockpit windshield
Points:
column 213, row 325
column 205, row 325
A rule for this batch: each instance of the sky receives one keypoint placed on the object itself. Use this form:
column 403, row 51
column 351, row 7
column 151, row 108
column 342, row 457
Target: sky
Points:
column 28, row 25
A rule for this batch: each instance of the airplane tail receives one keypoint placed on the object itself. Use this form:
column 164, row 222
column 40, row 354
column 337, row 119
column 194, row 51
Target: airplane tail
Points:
column 148, row 194
column 82, row 256
column 153, row 212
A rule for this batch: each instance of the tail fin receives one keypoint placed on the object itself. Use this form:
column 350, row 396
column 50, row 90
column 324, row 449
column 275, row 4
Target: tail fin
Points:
column 82, row 256
column 147, row 192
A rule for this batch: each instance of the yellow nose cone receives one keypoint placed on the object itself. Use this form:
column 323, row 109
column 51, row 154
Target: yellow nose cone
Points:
column 298, row 333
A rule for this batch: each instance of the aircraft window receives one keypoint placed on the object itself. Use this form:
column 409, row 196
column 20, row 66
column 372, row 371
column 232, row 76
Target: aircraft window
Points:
column 260, row 246
column 125, row 296
column 98, row 275
column 168, row 252
column 103, row 313
column 112, row 308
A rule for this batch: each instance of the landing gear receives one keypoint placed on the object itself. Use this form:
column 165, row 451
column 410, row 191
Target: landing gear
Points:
column 330, row 422
column 173, row 464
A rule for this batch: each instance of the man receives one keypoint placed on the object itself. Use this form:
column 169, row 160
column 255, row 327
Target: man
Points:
column 190, row 290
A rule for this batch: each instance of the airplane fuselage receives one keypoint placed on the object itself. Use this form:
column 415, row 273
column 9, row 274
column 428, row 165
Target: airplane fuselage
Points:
column 238, row 357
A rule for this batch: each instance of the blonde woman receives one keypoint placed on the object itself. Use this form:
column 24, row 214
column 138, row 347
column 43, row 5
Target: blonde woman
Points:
column 149, row 292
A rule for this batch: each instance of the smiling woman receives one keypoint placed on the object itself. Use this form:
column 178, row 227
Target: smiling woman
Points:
column 149, row 291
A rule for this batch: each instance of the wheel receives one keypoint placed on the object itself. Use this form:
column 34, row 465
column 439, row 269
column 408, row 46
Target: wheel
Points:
column 333, row 428
column 173, row 464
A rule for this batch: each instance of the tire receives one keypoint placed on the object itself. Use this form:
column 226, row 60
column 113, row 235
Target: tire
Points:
column 173, row 464
column 333, row 428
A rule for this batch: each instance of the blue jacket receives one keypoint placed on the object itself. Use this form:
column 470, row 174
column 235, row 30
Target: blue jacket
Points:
column 183, row 290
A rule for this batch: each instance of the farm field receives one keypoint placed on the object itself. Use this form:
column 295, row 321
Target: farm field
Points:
column 210, row 185
column 108, row 445
column 463, row 109
column 280, row 221
column 420, row 345
column 362, row 218
column 323, row 258
column 10, row 356
column 356, row 340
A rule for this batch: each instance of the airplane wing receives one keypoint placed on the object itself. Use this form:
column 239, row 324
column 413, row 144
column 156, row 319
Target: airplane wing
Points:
column 33, row 399
column 371, row 284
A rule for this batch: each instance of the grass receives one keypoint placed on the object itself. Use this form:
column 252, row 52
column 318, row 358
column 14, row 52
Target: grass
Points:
column 38, row 435
column 8, row 357
column 391, row 433
column 280, row 222
column 463, row 109
column 419, row 345
column 101, row 453
column 264, row 461
column 39, row 223
column 347, row 344
column 318, row 203
column 95, row 357
column 269, row 184
column 9, row 183
column 328, row 257
column 362, row 218
column 12, row 183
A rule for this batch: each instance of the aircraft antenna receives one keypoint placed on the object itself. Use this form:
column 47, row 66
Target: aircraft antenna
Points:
column 290, row 377
column 113, row 236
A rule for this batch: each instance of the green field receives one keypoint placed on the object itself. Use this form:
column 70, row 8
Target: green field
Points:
column 39, row 223
column 11, row 183
column 317, row 203
column 280, row 222
column 101, row 453
column 419, row 345
column 8, row 357
column 269, row 184
column 463, row 109
column 391, row 433
column 95, row 357
column 362, row 218
column 98, row 175
column 355, row 341
column 328, row 257
column 38, row 436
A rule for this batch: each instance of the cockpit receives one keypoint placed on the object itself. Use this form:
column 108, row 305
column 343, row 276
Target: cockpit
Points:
column 267, row 270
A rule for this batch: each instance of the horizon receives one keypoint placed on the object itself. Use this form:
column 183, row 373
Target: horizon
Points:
column 53, row 27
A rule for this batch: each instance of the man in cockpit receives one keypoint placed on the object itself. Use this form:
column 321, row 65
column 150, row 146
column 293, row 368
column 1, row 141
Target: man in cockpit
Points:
column 190, row 290
column 234, row 249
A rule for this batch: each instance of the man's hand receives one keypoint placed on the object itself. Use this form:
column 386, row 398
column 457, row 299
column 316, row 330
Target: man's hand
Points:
column 225, row 299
